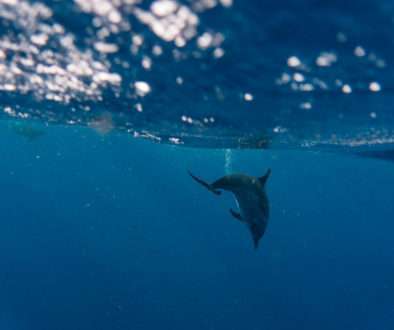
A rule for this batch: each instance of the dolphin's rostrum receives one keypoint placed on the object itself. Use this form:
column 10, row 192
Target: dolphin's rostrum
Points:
column 251, row 198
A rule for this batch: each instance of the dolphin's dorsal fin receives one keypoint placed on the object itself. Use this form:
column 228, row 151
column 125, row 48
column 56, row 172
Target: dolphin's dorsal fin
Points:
column 263, row 179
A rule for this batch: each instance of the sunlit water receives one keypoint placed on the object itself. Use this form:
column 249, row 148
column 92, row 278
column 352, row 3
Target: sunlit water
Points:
column 104, row 230
column 249, row 74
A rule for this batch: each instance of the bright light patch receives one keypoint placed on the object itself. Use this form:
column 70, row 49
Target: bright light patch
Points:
column 346, row 89
column 359, row 51
column 142, row 88
column 163, row 7
column 298, row 77
column 293, row 61
column 374, row 87
column 248, row 97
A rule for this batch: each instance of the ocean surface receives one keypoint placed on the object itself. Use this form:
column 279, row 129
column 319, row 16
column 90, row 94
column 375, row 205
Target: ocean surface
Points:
column 106, row 104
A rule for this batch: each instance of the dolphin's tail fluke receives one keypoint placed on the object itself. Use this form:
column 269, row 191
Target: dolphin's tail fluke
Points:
column 257, row 232
column 204, row 184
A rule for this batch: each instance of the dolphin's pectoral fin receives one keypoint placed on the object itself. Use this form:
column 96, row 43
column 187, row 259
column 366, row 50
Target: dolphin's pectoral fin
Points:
column 236, row 215
column 263, row 179
column 204, row 184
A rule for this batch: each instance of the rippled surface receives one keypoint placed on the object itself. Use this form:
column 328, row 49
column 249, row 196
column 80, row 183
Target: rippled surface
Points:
column 209, row 73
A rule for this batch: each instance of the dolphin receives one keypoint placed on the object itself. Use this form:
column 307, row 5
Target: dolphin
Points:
column 250, row 196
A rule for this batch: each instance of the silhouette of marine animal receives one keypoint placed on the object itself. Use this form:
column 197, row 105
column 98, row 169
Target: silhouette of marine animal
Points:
column 251, row 198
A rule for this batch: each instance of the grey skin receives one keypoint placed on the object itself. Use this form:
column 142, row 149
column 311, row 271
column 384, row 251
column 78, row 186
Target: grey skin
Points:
column 251, row 199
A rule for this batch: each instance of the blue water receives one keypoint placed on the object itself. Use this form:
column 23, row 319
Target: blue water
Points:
column 102, row 228
column 111, row 233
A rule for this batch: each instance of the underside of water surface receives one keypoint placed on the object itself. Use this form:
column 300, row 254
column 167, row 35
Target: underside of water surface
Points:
column 215, row 74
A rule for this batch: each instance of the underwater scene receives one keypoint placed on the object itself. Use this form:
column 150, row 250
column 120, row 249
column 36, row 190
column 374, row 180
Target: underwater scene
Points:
column 196, row 164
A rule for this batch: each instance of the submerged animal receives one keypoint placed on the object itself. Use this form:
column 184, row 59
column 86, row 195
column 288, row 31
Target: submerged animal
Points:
column 251, row 198
column 30, row 132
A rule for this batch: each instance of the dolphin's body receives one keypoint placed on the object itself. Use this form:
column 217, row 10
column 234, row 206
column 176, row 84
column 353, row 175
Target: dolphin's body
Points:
column 251, row 198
